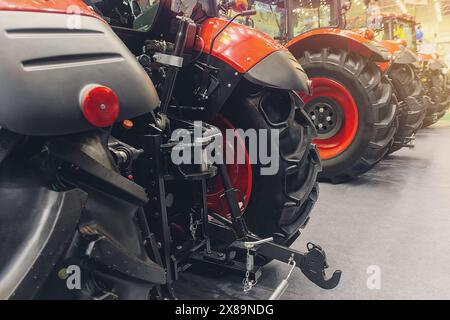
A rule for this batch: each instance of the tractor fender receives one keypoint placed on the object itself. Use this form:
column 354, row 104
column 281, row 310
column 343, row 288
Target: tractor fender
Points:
column 437, row 64
column 38, row 46
column 238, row 45
column 253, row 54
column 434, row 63
column 243, row 52
column 42, row 222
column 389, row 45
column 289, row 76
column 400, row 54
column 425, row 56
column 341, row 39
column 406, row 56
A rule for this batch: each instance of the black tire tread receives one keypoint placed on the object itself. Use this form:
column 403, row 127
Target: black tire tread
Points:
column 408, row 90
column 437, row 90
column 280, row 204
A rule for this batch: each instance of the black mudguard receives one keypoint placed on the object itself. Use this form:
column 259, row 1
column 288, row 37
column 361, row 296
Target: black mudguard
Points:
column 46, row 64
column 406, row 56
column 36, row 225
column 226, row 81
column 280, row 70
column 436, row 64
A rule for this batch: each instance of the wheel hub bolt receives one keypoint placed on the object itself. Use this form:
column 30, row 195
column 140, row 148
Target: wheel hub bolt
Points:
column 328, row 118
column 321, row 110
column 320, row 126
column 313, row 117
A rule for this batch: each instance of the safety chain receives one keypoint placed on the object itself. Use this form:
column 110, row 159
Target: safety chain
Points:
column 249, row 284
column 250, row 266
column 193, row 225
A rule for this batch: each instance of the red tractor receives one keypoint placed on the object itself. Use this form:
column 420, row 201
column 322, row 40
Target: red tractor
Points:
column 399, row 29
column 353, row 105
column 99, row 99
column 404, row 73
column 434, row 76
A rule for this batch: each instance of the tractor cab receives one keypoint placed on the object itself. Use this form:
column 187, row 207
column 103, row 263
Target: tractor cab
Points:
column 388, row 26
column 399, row 27
column 286, row 19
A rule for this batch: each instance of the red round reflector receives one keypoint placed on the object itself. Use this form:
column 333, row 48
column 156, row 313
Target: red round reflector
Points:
column 100, row 106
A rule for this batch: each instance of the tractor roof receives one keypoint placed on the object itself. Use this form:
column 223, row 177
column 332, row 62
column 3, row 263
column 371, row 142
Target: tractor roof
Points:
column 398, row 16
column 402, row 17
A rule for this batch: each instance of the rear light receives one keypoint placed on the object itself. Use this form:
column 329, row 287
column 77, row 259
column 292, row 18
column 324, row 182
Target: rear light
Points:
column 100, row 105
column 127, row 124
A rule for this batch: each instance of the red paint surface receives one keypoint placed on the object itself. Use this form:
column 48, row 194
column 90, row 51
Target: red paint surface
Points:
column 333, row 146
column 365, row 32
column 240, row 46
column 398, row 16
column 240, row 174
column 48, row 6
column 427, row 56
column 390, row 45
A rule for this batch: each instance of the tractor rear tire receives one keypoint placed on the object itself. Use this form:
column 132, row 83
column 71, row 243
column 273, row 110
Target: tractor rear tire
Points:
column 439, row 101
column 412, row 111
column 280, row 203
column 376, row 113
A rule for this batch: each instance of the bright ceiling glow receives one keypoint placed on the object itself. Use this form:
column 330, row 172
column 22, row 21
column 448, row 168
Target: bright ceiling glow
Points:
column 402, row 6
column 437, row 8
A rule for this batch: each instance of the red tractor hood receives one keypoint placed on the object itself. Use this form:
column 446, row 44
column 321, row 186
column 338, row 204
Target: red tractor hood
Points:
column 49, row 6
column 240, row 46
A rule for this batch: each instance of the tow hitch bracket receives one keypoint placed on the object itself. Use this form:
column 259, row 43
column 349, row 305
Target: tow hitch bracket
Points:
column 312, row 263
column 239, row 239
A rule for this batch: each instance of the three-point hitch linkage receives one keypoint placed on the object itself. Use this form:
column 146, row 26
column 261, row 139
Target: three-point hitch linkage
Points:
column 231, row 232
column 234, row 233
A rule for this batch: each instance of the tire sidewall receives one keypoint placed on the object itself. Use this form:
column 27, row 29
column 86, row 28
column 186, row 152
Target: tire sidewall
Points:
column 363, row 134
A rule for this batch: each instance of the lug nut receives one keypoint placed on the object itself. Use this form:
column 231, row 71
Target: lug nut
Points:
column 321, row 110
column 328, row 118
column 313, row 117
column 320, row 126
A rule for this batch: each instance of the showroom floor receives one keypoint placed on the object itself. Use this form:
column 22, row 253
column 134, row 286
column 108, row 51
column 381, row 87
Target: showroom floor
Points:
column 396, row 217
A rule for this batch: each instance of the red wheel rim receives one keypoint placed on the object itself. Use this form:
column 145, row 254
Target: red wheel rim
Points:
column 240, row 174
column 333, row 146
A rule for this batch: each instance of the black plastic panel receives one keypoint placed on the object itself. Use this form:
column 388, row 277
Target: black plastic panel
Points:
column 45, row 65
column 406, row 56
column 436, row 64
column 289, row 74
column 31, row 215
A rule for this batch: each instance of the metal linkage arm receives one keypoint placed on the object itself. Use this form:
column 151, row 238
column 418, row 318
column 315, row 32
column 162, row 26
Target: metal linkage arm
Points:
column 312, row 263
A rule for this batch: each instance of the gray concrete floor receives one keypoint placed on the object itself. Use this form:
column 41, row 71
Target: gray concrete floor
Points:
column 396, row 217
